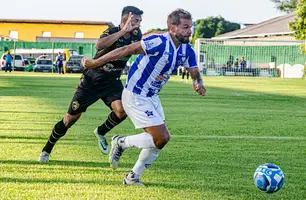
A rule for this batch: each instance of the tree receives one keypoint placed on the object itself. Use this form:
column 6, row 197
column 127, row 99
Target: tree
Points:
column 158, row 29
column 286, row 6
column 298, row 26
column 213, row 26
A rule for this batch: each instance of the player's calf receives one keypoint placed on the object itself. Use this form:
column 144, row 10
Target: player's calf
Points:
column 160, row 134
column 118, row 109
column 112, row 121
column 69, row 120
column 58, row 132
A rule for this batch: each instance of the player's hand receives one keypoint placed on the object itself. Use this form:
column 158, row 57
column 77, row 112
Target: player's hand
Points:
column 199, row 88
column 88, row 63
column 128, row 27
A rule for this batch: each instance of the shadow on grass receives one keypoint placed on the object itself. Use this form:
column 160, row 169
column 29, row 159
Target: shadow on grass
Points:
column 56, row 162
column 38, row 138
column 68, row 181
column 29, row 112
column 64, row 163
column 9, row 139
column 22, row 138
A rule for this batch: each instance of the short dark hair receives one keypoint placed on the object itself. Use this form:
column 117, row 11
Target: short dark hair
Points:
column 131, row 9
column 175, row 16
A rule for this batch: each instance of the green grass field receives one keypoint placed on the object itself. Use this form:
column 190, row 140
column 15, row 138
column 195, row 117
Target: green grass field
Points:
column 217, row 141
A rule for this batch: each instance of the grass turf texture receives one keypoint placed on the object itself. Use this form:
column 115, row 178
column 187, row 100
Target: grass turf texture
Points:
column 217, row 141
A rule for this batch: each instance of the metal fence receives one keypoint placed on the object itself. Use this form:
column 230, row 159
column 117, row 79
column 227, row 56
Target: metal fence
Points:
column 265, row 58
column 87, row 49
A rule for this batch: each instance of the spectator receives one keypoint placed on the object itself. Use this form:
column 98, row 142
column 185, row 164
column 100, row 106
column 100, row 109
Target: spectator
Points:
column 242, row 63
column 8, row 62
column 59, row 63
column 212, row 63
column 229, row 63
column 236, row 63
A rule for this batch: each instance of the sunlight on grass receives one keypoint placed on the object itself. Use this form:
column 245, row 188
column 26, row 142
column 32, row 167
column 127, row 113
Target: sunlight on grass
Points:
column 217, row 141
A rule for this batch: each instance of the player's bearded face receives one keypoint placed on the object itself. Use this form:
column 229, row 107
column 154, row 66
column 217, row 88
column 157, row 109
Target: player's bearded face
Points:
column 183, row 31
column 136, row 21
column 183, row 39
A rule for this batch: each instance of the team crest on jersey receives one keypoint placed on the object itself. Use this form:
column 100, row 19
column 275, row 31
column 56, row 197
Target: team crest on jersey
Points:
column 108, row 67
column 150, row 44
column 75, row 105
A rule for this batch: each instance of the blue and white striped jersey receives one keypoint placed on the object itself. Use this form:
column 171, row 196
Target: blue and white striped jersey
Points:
column 151, row 71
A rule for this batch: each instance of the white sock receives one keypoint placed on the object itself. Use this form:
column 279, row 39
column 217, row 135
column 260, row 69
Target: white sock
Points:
column 145, row 160
column 141, row 141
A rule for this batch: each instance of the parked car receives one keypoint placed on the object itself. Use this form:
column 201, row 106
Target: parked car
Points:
column 43, row 64
column 74, row 64
column 18, row 62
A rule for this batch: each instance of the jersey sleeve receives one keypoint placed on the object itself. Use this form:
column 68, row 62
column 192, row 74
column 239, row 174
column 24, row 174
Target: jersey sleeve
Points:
column 191, row 60
column 153, row 45
column 107, row 32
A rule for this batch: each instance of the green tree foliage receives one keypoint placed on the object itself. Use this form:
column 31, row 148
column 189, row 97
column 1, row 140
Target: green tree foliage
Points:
column 286, row 6
column 158, row 29
column 299, row 23
column 213, row 26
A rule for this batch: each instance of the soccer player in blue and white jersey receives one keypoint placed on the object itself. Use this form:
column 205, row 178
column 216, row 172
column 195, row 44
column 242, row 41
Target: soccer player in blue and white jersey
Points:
column 159, row 56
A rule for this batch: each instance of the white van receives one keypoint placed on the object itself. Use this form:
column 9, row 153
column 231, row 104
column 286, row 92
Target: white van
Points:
column 18, row 62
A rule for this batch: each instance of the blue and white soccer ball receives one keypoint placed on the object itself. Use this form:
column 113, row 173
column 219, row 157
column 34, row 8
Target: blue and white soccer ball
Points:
column 269, row 178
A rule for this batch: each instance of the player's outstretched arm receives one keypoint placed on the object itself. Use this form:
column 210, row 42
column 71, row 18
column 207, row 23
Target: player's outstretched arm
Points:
column 198, row 84
column 134, row 48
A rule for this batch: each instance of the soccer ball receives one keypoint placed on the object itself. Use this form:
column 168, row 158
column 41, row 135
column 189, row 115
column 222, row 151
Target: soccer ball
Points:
column 269, row 178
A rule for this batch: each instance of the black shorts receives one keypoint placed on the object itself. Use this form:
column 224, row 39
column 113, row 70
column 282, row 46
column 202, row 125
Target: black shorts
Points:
column 89, row 92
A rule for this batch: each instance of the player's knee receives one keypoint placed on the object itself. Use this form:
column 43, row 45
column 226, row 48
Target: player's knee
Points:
column 69, row 120
column 162, row 140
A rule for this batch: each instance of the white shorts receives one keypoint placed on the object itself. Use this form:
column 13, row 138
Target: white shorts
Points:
column 143, row 111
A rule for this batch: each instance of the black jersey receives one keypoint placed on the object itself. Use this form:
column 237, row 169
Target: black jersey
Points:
column 112, row 70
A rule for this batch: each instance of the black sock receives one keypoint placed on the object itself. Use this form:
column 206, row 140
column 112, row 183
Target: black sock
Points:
column 58, row 131
column 111, row 122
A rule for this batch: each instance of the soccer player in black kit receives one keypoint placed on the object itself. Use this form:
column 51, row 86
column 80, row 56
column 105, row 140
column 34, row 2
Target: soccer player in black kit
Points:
column 101, row 83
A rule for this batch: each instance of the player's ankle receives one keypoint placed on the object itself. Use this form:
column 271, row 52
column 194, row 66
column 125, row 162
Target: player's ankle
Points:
column 121, row 142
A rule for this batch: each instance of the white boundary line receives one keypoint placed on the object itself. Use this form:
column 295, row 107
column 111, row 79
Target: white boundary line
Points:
column 202, row 137
column 239, row 137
